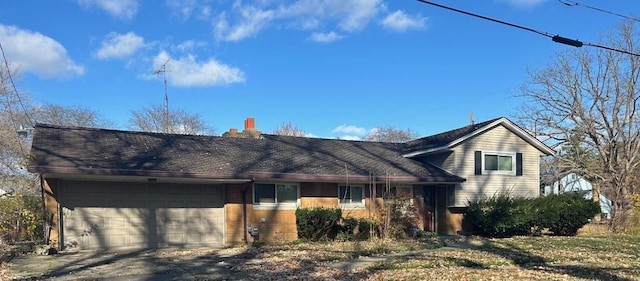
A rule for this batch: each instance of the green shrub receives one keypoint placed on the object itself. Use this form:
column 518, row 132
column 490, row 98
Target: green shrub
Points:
column 564, row 214
column 21, row 218
column 500, row 216
column 503, row 216
column 317, row 224
column 364, row 229
column 349, row 225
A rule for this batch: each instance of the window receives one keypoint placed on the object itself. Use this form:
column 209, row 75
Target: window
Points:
column 402, row 198
column 402, row 192
column 497, row 162
column 506, row 163
column 351, row 195
column 275, row 194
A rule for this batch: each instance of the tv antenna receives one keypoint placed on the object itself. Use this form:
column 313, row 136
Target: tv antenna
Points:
column 163, row 70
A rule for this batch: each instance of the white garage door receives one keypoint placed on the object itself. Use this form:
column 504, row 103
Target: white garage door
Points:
column 107, row 215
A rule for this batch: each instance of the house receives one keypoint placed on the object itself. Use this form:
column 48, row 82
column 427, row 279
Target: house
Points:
column 575, row 183
column 112, row 188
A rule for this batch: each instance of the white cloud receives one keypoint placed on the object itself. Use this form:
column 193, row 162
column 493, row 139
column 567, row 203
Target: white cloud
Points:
column 124, row 9
column 188, row 72
column 186, row 8
column 399, row 21
column 189, row 45
column 349, row 15
column 119, row 45
column 244, row 21
column 348, row 137
column 37, row 53
column 350, row 129
column 325, row 37
column 252, row 20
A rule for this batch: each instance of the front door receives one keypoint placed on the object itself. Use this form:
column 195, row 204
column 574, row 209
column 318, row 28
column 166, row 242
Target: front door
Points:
column 429, row 209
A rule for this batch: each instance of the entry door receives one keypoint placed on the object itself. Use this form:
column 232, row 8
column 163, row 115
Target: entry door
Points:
column 430, row 208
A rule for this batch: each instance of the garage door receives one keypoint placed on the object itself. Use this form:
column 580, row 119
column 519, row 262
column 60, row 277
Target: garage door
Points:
column 106, row 215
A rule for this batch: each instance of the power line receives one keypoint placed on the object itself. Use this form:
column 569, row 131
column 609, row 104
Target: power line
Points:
column 13, row 86
column 574, row 4
column 554, row 38
column 15, row 90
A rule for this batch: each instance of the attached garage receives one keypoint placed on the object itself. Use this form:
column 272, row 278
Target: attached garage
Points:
column 108, row 215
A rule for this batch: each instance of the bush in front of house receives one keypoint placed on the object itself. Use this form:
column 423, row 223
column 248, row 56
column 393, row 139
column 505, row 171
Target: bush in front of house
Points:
column 505, row 216
column 355, row 229
column 563, row 214
column 396, row 218
column 21, row 219
column 500, row 216
column 316, row 224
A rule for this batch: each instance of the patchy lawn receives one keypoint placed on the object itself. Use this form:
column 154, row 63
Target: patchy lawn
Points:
column 523, row 258
column 520, row 258
column 607, row 257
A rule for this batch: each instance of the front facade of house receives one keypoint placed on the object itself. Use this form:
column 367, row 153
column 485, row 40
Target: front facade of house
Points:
column 118, row 189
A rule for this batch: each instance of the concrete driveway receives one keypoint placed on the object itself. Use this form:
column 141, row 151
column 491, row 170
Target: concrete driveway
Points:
column 131, row 265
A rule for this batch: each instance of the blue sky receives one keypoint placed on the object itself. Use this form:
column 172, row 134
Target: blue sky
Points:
column 333, row 68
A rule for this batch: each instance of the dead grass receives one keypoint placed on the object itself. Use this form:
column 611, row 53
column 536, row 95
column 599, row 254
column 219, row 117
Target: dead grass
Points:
column 585, row 257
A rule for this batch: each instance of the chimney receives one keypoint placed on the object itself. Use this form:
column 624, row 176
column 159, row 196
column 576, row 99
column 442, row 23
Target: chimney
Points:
column 250, row 123
column 233, row 131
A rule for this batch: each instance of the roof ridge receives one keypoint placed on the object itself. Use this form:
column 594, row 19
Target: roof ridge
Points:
column 85, row 128
column 477, row 125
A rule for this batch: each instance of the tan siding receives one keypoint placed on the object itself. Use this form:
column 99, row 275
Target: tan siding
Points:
column 444, row 160
column 498, row 139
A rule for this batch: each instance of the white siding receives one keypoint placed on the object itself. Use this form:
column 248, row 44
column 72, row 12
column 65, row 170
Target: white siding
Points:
column 498, row 139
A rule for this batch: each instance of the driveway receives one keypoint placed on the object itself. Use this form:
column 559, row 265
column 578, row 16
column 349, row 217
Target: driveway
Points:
column 133, row 265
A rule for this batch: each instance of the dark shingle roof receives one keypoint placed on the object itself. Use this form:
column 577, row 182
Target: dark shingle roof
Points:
column 76, row 150
column 445, row 138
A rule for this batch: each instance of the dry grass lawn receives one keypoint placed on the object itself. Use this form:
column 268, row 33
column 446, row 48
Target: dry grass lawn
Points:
column 584, row 257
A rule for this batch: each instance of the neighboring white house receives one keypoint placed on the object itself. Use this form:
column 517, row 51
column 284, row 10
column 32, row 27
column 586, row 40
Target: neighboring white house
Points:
column 577, row 184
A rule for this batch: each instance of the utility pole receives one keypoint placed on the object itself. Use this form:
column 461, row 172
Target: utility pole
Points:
column 165, row 121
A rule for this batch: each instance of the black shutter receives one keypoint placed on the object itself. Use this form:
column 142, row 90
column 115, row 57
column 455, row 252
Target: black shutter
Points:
column 478, row 162
column 518, row 164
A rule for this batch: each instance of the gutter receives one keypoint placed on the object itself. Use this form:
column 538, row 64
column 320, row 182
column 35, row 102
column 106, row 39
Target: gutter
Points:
column 239, row 177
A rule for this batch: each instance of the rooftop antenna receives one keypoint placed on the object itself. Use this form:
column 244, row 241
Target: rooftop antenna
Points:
column 163, row 70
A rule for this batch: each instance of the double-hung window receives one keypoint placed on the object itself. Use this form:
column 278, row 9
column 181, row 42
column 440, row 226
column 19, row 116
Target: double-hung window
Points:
column 351, row 196
column 275, row 195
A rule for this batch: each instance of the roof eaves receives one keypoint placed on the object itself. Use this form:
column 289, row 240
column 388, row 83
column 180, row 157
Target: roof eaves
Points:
column 127, row 172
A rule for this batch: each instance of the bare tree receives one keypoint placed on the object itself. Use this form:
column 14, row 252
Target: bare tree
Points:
column 288, row 129
column 390, row 134
column 14, row 142
column 585, row 103
column 54, row 114
column 152, row 119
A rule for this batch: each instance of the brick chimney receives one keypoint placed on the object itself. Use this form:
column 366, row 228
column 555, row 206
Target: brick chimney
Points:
column 250, row 130
column 250, row 123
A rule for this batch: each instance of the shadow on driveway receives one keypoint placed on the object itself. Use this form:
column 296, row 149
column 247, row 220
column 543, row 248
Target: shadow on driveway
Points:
column 128, row 265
